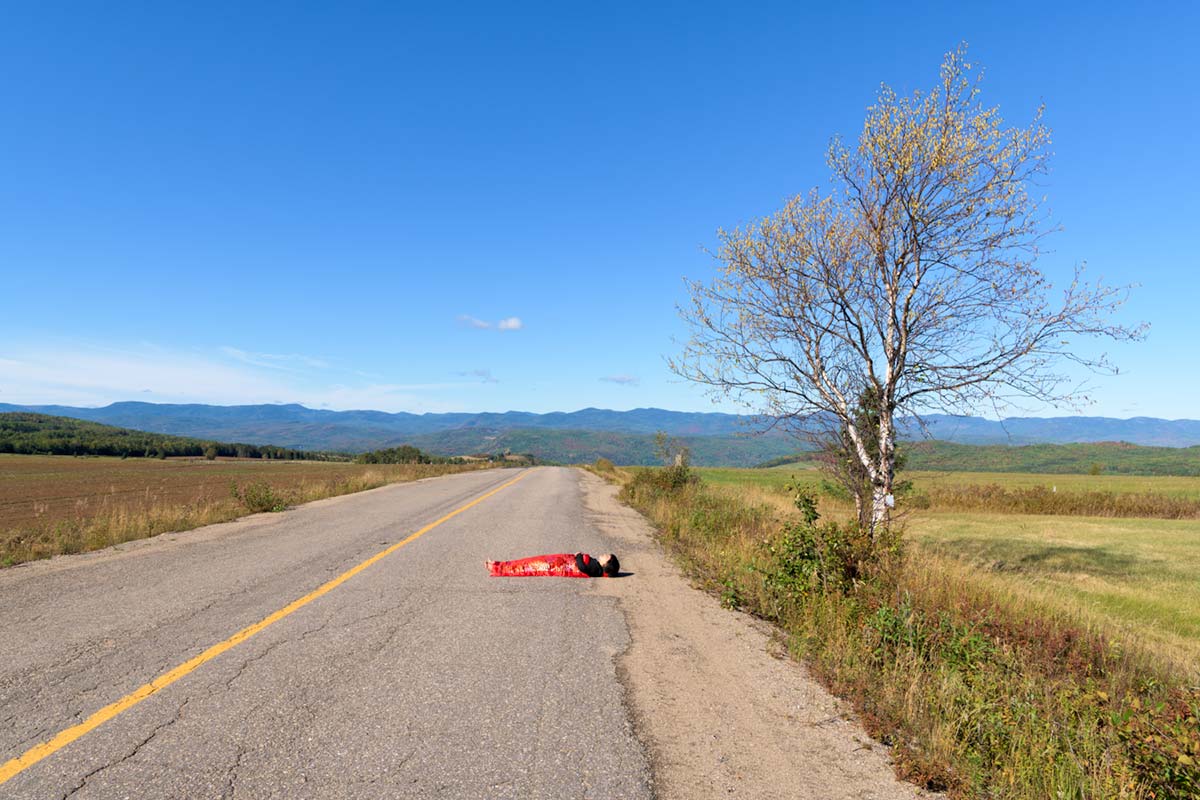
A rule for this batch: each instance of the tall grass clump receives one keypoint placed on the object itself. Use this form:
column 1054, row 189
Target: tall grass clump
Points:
column 257, row 496
column 980, row 691
column 602, row 464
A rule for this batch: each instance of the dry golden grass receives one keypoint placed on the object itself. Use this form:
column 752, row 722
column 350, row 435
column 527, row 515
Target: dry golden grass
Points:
column 51, row 505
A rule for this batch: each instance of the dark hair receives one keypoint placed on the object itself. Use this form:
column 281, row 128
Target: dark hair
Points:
column 612, row 567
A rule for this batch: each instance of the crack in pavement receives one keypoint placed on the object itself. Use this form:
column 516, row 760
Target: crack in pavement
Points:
column 232, row 773
column 38, row 684
column 132, row 753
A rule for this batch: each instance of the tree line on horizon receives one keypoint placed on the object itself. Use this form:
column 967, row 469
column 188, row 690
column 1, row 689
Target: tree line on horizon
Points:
column 27, row 433
column 404, row 454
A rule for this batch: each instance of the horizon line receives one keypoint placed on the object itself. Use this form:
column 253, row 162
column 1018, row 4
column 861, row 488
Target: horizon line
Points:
column 576, row 411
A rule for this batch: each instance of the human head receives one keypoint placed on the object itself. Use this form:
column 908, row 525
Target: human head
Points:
column 610, row 565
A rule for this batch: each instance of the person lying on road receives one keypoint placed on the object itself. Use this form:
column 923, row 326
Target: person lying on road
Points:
column 558, row 565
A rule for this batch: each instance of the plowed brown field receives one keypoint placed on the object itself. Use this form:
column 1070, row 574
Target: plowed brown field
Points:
column 46, row 489
column 53, row 504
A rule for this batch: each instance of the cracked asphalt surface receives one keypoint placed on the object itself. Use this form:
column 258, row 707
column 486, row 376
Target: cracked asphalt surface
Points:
column 419, row 677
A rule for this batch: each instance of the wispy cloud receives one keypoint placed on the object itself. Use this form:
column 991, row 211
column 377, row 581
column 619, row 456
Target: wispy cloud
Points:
column 484, row 375
column 623, row 380
column 80, row 374
column 290, row 361
column 471, row 322
column 506, row 324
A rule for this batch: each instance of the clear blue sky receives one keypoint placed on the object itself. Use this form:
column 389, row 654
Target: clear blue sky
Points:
column 326, row 202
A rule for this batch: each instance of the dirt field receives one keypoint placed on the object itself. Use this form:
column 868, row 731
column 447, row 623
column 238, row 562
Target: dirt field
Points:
column 36, row 490
column 66, row 504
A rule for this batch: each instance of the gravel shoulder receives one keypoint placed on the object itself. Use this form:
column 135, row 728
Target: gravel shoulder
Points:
column 719, row 706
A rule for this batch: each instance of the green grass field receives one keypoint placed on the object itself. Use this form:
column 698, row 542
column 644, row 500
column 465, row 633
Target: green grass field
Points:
column 1142, row 575
column 778, row 477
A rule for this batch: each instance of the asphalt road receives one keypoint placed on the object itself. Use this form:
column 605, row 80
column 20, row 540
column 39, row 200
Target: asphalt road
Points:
column 418, row 677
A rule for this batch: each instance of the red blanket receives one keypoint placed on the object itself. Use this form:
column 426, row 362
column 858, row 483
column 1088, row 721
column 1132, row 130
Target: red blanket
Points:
column 558, row 565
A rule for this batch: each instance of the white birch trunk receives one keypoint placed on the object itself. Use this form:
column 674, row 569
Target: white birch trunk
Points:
column 883, row 477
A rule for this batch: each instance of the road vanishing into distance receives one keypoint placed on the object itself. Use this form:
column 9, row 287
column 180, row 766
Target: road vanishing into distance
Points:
column 355, row 647
column 417, row 676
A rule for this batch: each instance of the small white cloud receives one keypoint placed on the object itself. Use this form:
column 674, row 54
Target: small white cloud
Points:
column 510, row 324
column 623, row 380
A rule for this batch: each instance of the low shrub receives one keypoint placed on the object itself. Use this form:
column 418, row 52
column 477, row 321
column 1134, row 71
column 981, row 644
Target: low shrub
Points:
column 1163, row 741
column 670, row 480
column 809, row 556
column 257, row 496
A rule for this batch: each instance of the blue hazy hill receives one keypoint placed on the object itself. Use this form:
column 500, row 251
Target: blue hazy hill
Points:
column 715, row 438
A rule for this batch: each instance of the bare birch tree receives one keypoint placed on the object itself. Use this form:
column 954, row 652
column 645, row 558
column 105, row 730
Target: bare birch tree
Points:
column 913, row 282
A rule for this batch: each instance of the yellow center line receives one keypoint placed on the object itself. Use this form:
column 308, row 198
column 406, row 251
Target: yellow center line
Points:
column 64, row 738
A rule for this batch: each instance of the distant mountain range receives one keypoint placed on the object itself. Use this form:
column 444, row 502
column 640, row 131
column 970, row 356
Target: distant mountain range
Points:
column 1059, row 430
column 623, row 436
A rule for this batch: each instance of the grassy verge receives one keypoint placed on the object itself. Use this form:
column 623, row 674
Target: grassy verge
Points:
column 114, row 501
column 983, row 690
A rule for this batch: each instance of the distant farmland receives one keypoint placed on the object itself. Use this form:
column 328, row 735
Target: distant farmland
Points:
column 55, row 504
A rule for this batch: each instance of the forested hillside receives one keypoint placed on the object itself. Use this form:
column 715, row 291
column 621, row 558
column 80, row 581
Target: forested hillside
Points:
column 43, row 434
column 1099, row 458
column 579, row 446
column 22, row 432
